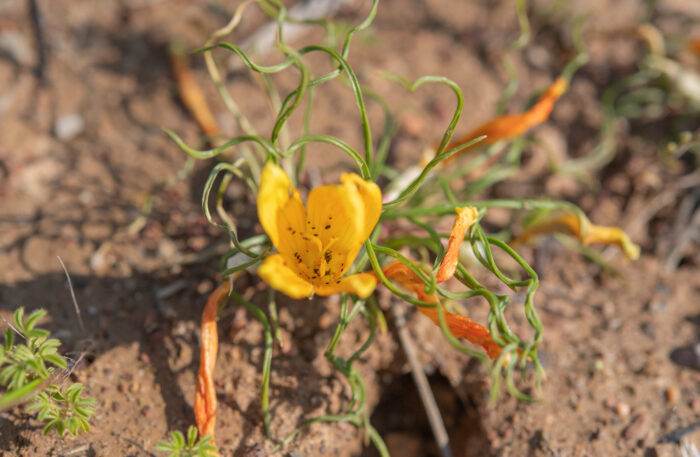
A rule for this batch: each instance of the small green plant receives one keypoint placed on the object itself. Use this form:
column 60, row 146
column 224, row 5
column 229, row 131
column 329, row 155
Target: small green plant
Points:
column 178, row 447
column 27, row 374
column 64, row 410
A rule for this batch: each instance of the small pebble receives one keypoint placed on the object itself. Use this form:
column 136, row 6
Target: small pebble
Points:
column 672, row 395
column 622, row 409
column 412, row 125
column 638, row 428
column 68, row 126
column 204, row 287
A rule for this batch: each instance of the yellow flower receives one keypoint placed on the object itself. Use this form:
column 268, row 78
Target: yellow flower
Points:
column 316, row 244
column 587, row 232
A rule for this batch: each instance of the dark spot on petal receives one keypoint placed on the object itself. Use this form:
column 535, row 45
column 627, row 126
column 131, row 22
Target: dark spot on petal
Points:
column 328, row 226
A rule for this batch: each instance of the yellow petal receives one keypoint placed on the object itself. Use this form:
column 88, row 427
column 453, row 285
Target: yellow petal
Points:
column 587, row 232
column 273, row 195
column 610, row 235
column 371, row 199
column 360, row 284
column 275, row 272
column 335, row 216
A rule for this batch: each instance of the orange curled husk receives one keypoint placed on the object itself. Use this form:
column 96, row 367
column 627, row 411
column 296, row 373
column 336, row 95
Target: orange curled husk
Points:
column 459, row 326
column 205, row 395
column 580, row 227
column 512, row 125
column 192, row 96
column 466, row 216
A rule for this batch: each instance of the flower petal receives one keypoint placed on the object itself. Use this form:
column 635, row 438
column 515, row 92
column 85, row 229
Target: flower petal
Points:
column 275, row 272
column 273, row 195
column 371, row 198
column 463, row 327
column 335, row 216
column 587, row 232
column 360, row 284
column 465, row 218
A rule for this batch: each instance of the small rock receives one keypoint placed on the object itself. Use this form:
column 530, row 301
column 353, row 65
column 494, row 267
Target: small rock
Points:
column 695, row 404
column 68, row 126
column 167, row 249
column 205, row 287
column 325, row 321
column 412, row 124
column 687, row 356
column 672, row 395
column 255, row 451
column 406, row 444
column 13, row 43
column 622, row 409
column 638, row 428
column 666, row 450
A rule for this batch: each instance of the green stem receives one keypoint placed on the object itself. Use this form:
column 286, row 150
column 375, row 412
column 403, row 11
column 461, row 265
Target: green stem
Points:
column 267, row 358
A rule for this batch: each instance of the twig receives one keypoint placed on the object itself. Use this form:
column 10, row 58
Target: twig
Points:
column 37, row 25
column 685, row 231
column 134, row 443
column 655, row 205
column 426, row 395
column 72, row 294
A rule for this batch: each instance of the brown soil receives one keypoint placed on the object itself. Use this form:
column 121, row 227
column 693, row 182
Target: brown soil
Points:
column 620, row 351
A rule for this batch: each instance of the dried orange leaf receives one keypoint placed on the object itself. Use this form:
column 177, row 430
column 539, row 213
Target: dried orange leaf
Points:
column 205, row 395
column 512, row 125
column 190, row 93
